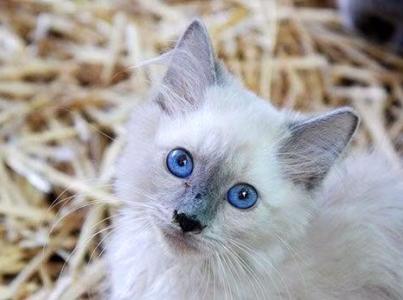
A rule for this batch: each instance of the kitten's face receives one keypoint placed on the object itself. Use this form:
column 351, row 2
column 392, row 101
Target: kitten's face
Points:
column 231, row 139
column 211, row 167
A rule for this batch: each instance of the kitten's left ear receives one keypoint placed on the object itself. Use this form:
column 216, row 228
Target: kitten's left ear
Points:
column 315, row 144
column 191, row 71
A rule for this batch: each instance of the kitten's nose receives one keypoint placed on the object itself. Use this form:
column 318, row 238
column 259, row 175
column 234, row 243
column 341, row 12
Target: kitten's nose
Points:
column 187, row 223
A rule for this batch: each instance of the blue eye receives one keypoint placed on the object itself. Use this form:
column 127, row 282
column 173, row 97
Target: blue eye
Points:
column 180, row 163
column 242, row 195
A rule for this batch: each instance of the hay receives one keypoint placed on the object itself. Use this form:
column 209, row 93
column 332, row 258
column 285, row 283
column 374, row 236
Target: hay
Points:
column 67, row 85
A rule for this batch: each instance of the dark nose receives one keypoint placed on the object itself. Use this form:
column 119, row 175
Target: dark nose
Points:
column 187, row 223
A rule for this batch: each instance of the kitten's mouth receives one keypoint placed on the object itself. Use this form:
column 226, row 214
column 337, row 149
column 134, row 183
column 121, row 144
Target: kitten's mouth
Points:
column 179, row 241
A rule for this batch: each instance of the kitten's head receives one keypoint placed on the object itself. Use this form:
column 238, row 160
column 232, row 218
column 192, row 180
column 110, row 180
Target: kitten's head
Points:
column 210, row 166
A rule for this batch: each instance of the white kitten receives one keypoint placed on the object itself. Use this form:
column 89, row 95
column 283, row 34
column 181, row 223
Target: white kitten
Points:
column 227, row 198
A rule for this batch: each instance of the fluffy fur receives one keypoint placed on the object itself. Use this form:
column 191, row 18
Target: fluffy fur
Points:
column 321, row 229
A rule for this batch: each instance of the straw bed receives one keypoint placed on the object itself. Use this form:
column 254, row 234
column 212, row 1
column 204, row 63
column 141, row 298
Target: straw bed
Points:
column 67, row 86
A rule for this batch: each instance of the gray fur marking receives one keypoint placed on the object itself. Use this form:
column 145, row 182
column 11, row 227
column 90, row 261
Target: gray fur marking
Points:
column 315, row 144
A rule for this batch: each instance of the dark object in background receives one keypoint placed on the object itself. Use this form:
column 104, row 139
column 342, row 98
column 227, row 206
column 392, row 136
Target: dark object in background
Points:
column 380, row 21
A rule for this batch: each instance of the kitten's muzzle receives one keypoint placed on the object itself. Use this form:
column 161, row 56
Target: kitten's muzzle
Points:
column 187, row 223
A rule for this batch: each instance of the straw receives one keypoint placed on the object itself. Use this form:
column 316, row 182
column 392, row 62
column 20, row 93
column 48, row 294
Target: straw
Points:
column 70, row 73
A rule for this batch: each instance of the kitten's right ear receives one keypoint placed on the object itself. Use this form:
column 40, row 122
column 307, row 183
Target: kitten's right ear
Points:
column 314, row 145
column 191, row 71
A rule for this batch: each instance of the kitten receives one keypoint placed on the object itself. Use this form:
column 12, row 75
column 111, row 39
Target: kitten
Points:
column 226, row 197
column 380, row 21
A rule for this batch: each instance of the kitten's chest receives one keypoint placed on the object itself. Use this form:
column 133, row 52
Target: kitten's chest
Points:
column 179, row 281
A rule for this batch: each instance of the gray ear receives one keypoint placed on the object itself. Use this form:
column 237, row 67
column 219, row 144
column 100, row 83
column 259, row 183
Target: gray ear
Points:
column 315, row 144
column 192, row 69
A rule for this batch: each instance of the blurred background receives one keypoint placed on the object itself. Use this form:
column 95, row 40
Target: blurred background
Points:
column 68, row 82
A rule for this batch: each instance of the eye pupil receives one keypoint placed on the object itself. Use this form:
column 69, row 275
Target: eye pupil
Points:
column 243, row 194
column 182, row 160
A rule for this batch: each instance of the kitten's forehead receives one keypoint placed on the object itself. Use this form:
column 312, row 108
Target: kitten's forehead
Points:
column 228, row 119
